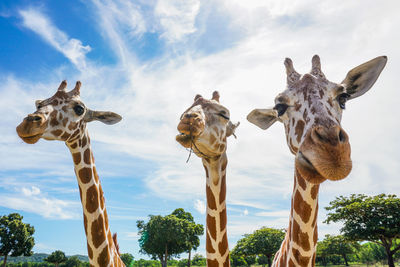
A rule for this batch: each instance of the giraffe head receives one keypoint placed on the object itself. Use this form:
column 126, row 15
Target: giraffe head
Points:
column 204, row 127
column 311, row 110
column 61, row 117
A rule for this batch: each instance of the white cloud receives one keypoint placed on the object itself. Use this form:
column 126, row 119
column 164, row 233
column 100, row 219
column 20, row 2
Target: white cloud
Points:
column 47, row 207
column 200, row 206
column 30, row 191
column 72, row 48
column 176, row 18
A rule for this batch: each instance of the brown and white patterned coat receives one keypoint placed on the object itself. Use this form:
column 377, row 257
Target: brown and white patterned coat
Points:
column 63, row 117
column 204, row 128
column 311, row 110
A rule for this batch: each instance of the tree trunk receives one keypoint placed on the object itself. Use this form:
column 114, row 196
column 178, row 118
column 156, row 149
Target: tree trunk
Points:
column 161, row 258
column 269, row 261
column 190, row 251
column 390, row 260
column 389, row 255
column 166, row 256
column 5, row 260
column 345, row 259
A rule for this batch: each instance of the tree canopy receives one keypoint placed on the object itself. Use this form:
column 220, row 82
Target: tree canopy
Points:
column 127, row 258
column 263, row 242
column 165, row 236
column 370, row 218
column 56, row 257
column 336, row 245
column 15, row 236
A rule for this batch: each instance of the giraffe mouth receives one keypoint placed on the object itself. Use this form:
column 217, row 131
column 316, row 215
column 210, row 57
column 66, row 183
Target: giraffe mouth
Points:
column 185, row 139
column 303, row 160
column 30, row 139
column 308, row 170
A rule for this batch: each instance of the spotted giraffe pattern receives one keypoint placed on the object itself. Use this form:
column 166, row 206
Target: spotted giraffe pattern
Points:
column 216, row 234
column 311, row 110
column 204, row 127
column 302, row 228
column 59, row 118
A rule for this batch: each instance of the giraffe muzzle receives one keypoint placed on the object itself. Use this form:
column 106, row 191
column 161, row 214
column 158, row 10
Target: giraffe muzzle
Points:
column 31, row 129
column 325, row 154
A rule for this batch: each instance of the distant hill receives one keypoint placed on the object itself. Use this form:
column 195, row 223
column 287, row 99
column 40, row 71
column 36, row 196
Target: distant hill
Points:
column 39, row 257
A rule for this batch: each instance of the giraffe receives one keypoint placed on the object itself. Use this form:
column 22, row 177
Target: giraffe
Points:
column 311, row 110
column 63, row 117
column 203, row 128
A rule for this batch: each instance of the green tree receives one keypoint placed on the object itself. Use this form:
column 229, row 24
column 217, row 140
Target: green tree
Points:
column 199, row 260
column 370, row 253
column 56, row 257
column 370, row 218
column 338, row 245
column 127, row 258
column 163, row 237
column 266, row 242
column 322, row 256
column 146, row 263
column 73, row 261
column 15, row 237
column 263, row 242
column 193, row 231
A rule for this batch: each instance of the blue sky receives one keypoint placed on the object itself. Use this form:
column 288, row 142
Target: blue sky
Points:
column 146, row 60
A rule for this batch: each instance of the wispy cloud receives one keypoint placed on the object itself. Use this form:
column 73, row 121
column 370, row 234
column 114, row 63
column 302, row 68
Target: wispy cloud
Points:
column 35, row 202
column 200, row 206
column 176, row 18
column 71, row 48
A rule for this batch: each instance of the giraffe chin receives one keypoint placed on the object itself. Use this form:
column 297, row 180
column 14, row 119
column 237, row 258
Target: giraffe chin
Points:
column 317, row 171
column 184, row 139
column 307, row 170
column 31, row 139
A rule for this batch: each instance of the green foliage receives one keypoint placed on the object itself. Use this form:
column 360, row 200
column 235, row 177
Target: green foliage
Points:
column 370, row 218
column 127, row 258
column 370, row 253
column 262, row 260
column 199, row 260
column 263, row 242
column 183, row 263
column 193, row 230
column 237, row 260
column 74, row 262
column 165, row 236
column 366, row 217
column 146, row 263
column 56, row 257
column 335, row 246
column 15, row 236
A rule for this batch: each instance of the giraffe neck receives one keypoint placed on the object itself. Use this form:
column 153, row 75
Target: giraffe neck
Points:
column 300, row 243
column 102, row 250
column 216, row 232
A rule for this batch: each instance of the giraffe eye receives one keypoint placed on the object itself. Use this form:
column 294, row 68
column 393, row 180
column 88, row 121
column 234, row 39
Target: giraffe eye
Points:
column 281, row 108
column 341, row 99
column 79, row 110
column 223, row 116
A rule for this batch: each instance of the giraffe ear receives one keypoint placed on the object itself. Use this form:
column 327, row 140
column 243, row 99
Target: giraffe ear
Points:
column 106, row 117
column 263, row 118
column 360, row 79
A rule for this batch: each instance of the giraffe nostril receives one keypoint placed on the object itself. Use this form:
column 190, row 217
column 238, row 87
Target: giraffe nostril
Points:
column 342, row 136
column 320, row 135
column 34, row 118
